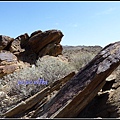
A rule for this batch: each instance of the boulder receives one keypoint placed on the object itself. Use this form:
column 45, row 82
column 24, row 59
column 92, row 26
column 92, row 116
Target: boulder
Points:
column 5, row 41
column 42, row 39
column 7, row 58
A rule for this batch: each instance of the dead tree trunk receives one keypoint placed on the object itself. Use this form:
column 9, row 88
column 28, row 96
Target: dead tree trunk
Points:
column 84, row 86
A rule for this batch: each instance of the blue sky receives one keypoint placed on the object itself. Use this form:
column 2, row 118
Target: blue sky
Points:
column 82, row 23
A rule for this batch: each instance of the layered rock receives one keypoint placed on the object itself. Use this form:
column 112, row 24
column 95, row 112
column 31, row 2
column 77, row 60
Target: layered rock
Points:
column 51, row 49
column 42, row 39
column 39, row 43
column 8, row 63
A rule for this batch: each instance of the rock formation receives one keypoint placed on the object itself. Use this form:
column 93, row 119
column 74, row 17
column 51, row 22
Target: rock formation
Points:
column 29, row 48
column 40, row 40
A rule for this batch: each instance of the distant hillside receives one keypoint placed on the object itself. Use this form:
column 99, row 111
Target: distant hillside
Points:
column 70, row 51
column 79, row 56
column 92, row 49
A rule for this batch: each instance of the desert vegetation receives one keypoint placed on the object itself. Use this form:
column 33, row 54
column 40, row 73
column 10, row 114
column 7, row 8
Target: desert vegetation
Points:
column 48, row 68
column 79, row 56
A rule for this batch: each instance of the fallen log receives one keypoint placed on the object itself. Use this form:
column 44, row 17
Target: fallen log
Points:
column 84, row 86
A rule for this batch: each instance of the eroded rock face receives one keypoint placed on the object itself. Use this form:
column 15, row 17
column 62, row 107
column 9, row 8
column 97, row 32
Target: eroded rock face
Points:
column 15, row 47
column 5, row 41
column 40, row 40
column 29, row 48
column 37, row 45
column 51, row 49
column 58, row 50
column 8, row 63
column 28, row 56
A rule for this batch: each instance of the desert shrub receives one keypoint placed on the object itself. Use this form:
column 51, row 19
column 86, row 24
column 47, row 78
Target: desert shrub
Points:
column 13, row 88
column 48, row 68
column 54, row 69
column 80, row 59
